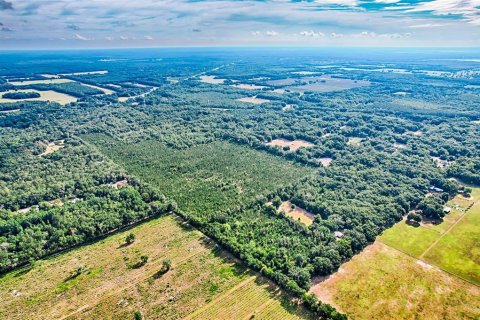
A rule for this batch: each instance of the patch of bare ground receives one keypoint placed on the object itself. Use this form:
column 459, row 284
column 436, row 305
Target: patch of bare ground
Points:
column 119, row 184
column 253, row 100
column 325, row 161
column 292, row 144
column 355, row 141
column 441, row 163
column 417, row 133
column 212, row 80
column 296, row 212
column 53, row 147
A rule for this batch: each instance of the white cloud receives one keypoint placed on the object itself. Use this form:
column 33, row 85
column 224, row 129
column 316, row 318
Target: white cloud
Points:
column 387, row 1
column 428, row 25
column 349, row 3
column 80, row 37
column 271, row 33
column 469, row 9
column 109, row 38
column 148, row 38
column 312, row 34
column 255, row 33
column 123, row 38
column 336, row 35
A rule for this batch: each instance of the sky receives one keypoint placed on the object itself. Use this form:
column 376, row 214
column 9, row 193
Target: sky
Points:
column 44, row 24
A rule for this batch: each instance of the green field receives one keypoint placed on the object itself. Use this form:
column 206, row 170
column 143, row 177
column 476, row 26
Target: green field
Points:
column 411, row 240
column 452, row 245
column 458, row 251
column 112, row 289
column 383, row 283
column 206, row 178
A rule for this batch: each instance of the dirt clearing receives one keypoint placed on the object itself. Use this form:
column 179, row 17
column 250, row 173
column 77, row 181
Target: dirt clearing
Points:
column 253, row 100
column 294, row 145
column 296, row 212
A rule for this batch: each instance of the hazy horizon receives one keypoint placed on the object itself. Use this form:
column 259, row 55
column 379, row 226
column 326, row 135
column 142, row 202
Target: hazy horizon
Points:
column 42, row 24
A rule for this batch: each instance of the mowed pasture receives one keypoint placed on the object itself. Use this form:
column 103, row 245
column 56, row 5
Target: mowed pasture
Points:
column 207, row 178
column 383, row 283
column 113, row 287
column 452, row 245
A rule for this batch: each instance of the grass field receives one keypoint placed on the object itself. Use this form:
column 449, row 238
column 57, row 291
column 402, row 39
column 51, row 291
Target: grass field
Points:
column 415, row 272
column 453, row 245
column 383, row 283
column 206, row 178
column 113, row 288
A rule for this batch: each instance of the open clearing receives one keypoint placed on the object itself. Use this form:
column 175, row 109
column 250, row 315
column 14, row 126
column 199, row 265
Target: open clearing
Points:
column 329, row 84
column 294, row 145
column 46, row 81
column 206, row 178
column 253, row 100
column 325, row 161
column 452, row 245
column 383, row 283
column 355, row 141
column 84, row 73
column 296, row 212
column 248, row 86
column 52, row 147
column 110, row 289
column 212, row 80
column 48, row 95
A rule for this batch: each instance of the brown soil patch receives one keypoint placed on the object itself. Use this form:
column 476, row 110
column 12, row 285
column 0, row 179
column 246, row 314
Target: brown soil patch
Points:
column 296, row 213
column 53, row 147
column 293, row 145
column 325, row 161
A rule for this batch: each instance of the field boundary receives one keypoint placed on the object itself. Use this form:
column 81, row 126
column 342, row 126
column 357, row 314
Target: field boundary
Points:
column 430, row 264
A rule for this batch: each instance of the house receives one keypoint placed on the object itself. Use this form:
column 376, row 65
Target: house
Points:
column 447, row 209
column 338, row 234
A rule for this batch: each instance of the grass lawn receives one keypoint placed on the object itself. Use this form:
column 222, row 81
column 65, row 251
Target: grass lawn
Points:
column 112, row 288
column 383, row 283
column 458, row 251
column 409, row 239
column 206, row 178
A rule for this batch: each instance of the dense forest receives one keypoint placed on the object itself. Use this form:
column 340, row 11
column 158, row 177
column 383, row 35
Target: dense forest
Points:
column 397, row 143
column 21, row 95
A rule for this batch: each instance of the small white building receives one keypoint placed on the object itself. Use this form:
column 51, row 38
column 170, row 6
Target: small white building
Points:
column 447, row 209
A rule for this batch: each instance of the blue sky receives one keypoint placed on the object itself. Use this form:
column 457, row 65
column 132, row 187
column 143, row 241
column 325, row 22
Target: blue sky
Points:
column 153, row 23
